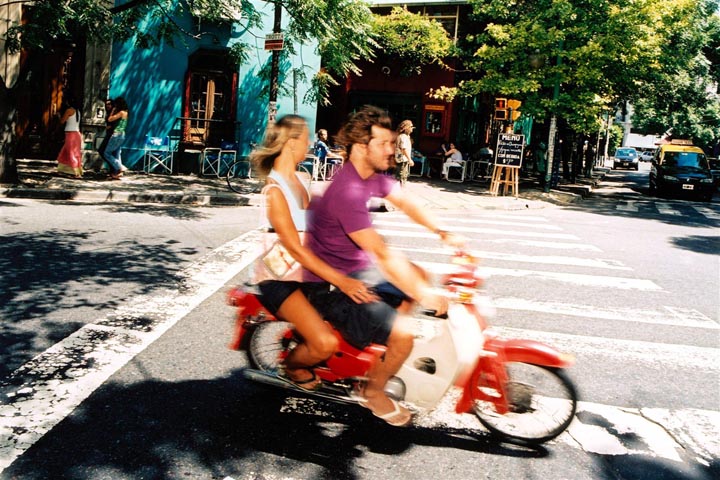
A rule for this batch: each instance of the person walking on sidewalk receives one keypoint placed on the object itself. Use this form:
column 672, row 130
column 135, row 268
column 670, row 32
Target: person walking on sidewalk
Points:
column 109, row 128
column 114, row 146
column 403, row 151
column 70, row 157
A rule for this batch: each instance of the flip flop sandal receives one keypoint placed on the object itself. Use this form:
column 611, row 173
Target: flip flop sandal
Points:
column 386, row 417
column 300, row 383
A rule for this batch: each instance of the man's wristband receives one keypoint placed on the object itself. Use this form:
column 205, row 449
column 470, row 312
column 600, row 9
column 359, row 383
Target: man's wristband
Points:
column 440, row 232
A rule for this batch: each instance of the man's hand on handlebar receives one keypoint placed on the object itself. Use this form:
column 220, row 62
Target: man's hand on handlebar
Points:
column 453, row 239
column 433, row 302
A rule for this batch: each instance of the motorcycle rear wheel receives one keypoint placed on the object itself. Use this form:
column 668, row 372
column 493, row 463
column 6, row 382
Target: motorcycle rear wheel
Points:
column 269, row 344
column 542, row 402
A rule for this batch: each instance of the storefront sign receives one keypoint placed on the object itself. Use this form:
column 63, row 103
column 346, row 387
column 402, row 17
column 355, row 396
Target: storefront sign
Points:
column 510, row 150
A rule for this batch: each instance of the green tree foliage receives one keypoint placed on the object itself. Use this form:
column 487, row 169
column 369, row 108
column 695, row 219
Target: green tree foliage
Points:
column 680, row 97
column 600, row 53
column 416, row 40
column 595, row 50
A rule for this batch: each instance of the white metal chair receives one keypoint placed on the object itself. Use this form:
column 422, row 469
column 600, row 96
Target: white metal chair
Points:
column 330, row 167
column 312, row 166
column 158, row 155
column 217, row 160
column 227, row 156
column 421, row 167
column 209, row 161
column 457, row 173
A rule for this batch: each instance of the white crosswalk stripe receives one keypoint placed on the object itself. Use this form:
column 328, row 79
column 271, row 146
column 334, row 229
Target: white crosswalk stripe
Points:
column 677, row 208
column 545, row 255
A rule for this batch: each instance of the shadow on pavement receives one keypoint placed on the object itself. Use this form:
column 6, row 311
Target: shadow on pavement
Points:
column 45, row 272
column 223, row 427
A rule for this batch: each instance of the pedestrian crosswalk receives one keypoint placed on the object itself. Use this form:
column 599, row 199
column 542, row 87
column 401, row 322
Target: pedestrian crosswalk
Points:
column 638, row 205
column 620, row 360
column 533, row 254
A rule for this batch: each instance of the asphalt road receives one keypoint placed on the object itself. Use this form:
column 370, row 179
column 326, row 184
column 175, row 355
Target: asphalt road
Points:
column 626, row 282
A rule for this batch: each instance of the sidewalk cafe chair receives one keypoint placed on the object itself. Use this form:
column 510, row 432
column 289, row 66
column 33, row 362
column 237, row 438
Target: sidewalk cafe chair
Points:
column 226, row 157
column 421, row 167
column 158, row 155
column 332, row 164
column 209, row 159
column 458, row 173
column 312, row 166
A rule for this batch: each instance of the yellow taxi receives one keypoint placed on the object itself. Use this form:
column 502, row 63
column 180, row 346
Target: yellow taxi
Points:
column 680, row 168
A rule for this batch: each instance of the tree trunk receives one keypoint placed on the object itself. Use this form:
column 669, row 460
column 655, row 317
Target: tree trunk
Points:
column 8, row 138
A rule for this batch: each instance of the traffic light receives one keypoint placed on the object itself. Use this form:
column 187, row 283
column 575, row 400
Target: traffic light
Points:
column 514, row 107
column 501, row 106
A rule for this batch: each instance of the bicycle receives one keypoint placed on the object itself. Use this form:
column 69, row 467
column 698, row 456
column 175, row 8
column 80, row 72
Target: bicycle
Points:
column 238, row 172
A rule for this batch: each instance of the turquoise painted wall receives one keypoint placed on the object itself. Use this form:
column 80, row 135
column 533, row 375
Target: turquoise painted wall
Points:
column 152, row 81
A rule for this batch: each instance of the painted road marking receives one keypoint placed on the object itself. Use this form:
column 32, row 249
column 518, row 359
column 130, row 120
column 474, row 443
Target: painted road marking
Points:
column 515, row 223
column 631, row 352
column 46, row 389
column 598, row 429
column 682, row 317
column 629, row 206
column 470, row 216
column 488, row 231
column 707, row 212
column 541, row 259
column 540, row 244
column 667, row 209
column 573, row 278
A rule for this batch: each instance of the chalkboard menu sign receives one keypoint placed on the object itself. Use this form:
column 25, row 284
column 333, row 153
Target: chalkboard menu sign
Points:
column 510, row 150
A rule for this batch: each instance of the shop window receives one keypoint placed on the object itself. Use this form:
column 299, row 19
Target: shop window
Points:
column 434, row 120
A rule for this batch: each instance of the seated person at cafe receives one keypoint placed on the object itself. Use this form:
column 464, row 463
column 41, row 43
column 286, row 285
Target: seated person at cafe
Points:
column 453, row 158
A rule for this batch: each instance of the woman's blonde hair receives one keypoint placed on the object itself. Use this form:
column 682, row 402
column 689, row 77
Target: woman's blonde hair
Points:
column 405, row 126
column 276, row 136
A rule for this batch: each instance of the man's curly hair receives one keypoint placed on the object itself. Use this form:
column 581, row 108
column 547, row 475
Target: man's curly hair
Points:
column 358, row 127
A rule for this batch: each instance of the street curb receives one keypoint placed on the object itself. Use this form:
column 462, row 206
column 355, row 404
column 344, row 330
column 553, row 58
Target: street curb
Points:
column 111, row 196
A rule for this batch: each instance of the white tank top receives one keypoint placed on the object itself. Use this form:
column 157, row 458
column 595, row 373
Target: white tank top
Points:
column 297, row 213
column 72, row 124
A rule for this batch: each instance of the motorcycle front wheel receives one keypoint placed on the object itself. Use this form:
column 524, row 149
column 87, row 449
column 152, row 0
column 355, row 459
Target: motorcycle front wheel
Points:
column 542, row 402
column 269, row 344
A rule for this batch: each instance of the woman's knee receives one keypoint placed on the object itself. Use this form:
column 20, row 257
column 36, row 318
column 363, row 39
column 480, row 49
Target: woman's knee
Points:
column 323, row 345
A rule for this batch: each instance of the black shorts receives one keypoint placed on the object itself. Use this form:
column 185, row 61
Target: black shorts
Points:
column 359, row 324
column 273, row 293
column 374, row 278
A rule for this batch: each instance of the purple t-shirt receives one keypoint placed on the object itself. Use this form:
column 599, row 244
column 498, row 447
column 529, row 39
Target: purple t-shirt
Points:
column 342, row 210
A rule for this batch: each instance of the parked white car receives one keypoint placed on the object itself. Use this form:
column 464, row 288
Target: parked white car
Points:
column 647, row 156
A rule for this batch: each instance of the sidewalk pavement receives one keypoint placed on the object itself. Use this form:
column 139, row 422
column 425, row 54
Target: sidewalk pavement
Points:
column 38, row 180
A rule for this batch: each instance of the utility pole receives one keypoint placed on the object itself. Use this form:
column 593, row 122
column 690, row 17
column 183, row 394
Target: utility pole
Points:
column 275, row 68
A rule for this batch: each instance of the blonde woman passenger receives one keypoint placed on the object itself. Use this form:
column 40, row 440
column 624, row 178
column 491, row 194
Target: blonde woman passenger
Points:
column 287, row 197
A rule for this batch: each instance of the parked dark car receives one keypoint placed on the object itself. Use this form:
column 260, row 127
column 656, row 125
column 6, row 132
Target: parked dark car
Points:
column 681, row 169
column 715, row 171
column 626, row 157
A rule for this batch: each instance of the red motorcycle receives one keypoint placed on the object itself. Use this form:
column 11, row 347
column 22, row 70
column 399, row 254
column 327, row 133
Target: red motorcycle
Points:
column 517, row 388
